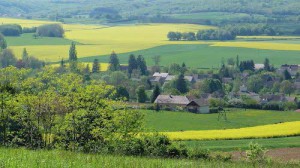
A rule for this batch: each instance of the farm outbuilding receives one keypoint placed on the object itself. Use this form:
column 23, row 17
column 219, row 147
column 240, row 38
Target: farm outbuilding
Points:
column 198, row 106
column 174, row 102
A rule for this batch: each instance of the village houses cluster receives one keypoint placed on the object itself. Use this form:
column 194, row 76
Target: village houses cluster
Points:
column 201, row 103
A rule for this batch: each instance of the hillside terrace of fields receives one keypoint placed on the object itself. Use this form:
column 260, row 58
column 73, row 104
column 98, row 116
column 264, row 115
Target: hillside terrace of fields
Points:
column 97, row 41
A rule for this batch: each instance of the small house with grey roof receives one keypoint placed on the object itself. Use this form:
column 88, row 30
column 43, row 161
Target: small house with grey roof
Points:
column 173, row 102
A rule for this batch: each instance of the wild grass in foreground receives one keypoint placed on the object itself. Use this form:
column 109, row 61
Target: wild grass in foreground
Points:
column 22, row 158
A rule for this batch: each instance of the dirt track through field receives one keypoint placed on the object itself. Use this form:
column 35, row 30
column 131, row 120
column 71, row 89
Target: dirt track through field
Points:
column 284, row 154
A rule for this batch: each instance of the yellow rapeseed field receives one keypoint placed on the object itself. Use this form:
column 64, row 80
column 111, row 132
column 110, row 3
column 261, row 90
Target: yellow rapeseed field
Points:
column 265, row 131
column 154, row 34
column 98, row 40
column 102, row 40
column 23, row 23
column 36, row 23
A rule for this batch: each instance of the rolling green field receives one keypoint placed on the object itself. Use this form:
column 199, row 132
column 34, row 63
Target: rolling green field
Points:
column 28, row 39
column 98, row 41
column 22, row 158
column 182, row 121
column 233, row 145
column 205, row 56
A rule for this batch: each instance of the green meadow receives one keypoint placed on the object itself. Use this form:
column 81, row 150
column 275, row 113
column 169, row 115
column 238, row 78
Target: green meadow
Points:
column 183, row 121
column 205, row 56
column 28, row 39
column 234, row 145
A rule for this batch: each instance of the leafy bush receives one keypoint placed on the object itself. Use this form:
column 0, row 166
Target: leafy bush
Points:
column 177, row 151
column 256, row 153
column 273, row 106
column 235, row 103
column 223, row 157
column 198, row 153
column 155, row 145
column 217, row 103
column 290, row 106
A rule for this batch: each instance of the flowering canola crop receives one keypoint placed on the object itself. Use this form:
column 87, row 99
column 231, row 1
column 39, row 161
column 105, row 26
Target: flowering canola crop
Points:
column 265, row 131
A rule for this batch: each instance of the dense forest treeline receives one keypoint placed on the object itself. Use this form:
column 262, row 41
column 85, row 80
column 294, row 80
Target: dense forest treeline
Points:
column 225, row 33
column 286, row 7
column 257, row 11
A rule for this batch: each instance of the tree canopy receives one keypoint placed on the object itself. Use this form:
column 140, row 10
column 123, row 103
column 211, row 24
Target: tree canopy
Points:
column 10, row 29
column 50, row 30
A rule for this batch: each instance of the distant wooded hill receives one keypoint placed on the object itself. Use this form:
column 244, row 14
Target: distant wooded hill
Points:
column 188, row 11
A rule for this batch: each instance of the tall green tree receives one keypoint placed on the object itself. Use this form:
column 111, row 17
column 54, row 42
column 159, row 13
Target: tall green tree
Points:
column 181, row 84
column 96, row 66
column 25, row 58
column 255, row 83
column 73, row 52
column 122, row 93
column 141, row 94
column 132, row 64
column 155, row 93
column 287, row 75
column 175, row 69
column 267, row 65
column 224, row 71
column 211, row 86
column 117, row 78
column 24, row 54
column 142, row 66
column 247, row 65
column 183, row 68
column 114, row 64
column 73, row 57
column 286, row 87
column 86, row 73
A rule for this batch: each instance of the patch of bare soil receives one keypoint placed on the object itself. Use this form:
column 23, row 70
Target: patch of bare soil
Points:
column 283, row 154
